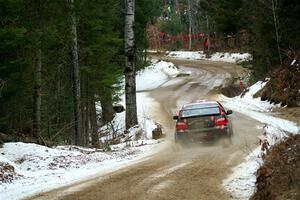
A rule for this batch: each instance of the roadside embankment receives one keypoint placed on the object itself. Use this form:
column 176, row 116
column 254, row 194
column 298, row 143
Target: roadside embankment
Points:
column 284, row 85
column 279, row 176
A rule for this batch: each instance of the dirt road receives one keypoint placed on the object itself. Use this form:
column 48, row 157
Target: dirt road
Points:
column 177, row 173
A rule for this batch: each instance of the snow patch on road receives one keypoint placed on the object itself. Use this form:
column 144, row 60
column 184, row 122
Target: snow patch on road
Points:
column 153, row 76
column 218, row 56
column 168, row 171
column 172, row 82
column 241, row 183
column 161, row 186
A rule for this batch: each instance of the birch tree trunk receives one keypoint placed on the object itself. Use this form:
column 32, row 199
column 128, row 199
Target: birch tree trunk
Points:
column 79, row 140
column 38, row 76
column 275, row 20
column 177, row 9
column 190, row 24
column 130, row 84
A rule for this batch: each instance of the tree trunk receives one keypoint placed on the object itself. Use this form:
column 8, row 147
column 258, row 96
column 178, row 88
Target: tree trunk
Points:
column 38, row 76
column 176, row 6
column 190, row 24
column 37, row 93
column 130, row 84
column 208, row 33
column 237, row 40
column 106, row 105
column 76, row 78
column 85, row 108
column 93, row 121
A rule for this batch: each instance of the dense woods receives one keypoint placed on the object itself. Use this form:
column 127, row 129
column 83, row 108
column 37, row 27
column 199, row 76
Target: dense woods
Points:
column 58, row 58
column 62, row 61
column 269, row 29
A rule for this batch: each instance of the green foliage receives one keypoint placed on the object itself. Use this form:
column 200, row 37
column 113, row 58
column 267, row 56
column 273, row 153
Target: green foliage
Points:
column 263, row 32
column 101, row 60
column 14, row 65
column 146, row 11
column 289, row 21
column 257, row 18
column 172, row 26
column 224, row 14
column 100, row 43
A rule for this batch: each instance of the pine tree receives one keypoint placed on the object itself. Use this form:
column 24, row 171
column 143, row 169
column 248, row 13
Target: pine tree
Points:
column 79, row 138
column 37, row 71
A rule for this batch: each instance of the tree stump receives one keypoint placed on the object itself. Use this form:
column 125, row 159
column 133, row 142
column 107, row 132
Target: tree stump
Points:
column 157, row 132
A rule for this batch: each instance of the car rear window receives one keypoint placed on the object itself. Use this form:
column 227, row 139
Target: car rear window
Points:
column 201, row 105
column 200, row 112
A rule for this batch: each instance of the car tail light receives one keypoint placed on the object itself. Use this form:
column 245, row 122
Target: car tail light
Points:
column 221, row 121
column 181, row 125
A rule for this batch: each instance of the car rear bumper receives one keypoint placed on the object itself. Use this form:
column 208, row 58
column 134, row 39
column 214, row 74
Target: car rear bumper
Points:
column 202, row 134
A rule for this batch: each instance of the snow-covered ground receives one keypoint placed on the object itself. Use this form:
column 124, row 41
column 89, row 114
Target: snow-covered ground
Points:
column 155, row 75
column 219, row 56
column 191, row 55
column 146, row 124
column 241, row 183
column 39, row 169
column 257, row 109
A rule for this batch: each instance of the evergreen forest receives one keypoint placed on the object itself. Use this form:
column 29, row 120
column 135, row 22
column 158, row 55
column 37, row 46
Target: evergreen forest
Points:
column 62, row 62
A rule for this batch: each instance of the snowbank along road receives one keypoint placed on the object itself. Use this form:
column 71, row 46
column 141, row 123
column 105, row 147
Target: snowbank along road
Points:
column 195, row 172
